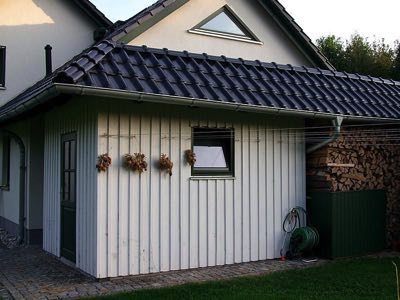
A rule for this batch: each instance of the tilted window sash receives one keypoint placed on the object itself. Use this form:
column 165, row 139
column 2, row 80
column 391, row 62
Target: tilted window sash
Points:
column 214, row 150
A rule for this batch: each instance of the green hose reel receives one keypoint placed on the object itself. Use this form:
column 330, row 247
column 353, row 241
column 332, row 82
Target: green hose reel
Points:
column 304, row 239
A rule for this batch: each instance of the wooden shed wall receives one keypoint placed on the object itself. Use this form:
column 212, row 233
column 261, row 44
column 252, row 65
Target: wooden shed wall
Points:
column 75, row 116
column 153, row 222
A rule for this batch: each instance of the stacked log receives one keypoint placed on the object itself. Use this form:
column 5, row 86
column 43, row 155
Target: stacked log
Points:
column 360, row 160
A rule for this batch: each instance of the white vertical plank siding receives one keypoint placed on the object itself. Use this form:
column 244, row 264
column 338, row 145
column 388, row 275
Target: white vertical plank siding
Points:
column 185, row 194
column 73, row 117
column 262, row 198
column 123, row 226
column 253, row 165
column 134, row 217
column 102, row 214
column 155, row 197
column 238, row 197
column 163, row 222
column 165, row 187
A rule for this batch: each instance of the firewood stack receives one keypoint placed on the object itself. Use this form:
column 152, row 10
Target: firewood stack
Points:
column 361, row 159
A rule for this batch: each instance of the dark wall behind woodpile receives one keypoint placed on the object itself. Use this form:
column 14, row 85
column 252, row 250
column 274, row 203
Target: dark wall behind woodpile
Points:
column 361, row 159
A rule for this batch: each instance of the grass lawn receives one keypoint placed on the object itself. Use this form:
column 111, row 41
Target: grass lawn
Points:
column 362, row 278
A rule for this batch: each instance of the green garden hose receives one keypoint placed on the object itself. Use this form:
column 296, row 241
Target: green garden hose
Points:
column 304, row 239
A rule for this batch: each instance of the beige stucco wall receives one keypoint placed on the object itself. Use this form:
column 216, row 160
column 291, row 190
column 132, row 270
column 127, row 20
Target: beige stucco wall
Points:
column 26, row 26
column 172, row 33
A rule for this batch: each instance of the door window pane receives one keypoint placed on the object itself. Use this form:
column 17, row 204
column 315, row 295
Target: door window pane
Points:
column 66, row 186
column 72, row 155
column 66, row 155
column 72, row 186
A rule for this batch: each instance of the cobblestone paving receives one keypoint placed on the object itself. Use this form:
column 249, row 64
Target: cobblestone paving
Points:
column 30, row 273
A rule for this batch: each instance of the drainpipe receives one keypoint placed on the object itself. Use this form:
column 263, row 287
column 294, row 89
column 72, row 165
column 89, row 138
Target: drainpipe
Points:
column 22, row 168
column 337, row 123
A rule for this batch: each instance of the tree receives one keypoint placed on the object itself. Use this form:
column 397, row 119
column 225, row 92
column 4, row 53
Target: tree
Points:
column 383, row 56
column 358, row 55
column 396, row 63
column 333, row 48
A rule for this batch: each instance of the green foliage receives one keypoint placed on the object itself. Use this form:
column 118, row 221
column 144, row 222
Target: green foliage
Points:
column 333, row 48
column 365, row 278
column 358, row 55
column 396, row 63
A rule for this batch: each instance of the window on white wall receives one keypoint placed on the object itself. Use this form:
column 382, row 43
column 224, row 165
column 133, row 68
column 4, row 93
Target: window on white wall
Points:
column 214, row 152
column 225, row 23
column 2, row 66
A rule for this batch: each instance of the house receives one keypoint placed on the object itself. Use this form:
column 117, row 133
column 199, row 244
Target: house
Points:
column 205, row 81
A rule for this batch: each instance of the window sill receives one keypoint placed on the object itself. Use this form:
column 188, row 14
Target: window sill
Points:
column 212, row 178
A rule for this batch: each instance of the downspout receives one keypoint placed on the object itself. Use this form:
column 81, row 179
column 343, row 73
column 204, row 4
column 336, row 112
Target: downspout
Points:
column 337, row 123
column 22, row 174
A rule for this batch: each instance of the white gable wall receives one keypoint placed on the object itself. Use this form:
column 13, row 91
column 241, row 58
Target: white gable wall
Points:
column 172, row 33
column 26, row 26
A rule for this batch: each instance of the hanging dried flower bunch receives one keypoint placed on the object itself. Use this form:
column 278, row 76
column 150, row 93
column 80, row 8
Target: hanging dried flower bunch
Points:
column 166, row 164
column 103, row 162
column 136, row 162
column 190, row 157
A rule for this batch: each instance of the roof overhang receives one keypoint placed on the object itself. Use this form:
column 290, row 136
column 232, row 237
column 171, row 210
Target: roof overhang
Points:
column 94, row 14
column 288, row 25
column 58, row 89
column 133, row 29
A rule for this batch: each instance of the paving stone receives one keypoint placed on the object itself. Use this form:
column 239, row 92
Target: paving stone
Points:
column 30, row 273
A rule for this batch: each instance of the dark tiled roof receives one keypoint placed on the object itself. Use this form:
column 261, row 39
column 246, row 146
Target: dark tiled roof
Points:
column 91, row 10
column 232, row 81
column 156, row 71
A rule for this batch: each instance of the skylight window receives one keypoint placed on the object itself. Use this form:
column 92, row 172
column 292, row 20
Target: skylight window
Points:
column 226, row 24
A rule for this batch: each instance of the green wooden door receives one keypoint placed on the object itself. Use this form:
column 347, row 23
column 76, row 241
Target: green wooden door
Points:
column 68, row 196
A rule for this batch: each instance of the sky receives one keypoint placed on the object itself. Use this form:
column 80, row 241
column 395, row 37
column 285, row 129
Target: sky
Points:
column 370, row 18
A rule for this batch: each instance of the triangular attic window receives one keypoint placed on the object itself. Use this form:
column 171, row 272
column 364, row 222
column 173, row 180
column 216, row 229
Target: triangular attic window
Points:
column 224, row 23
